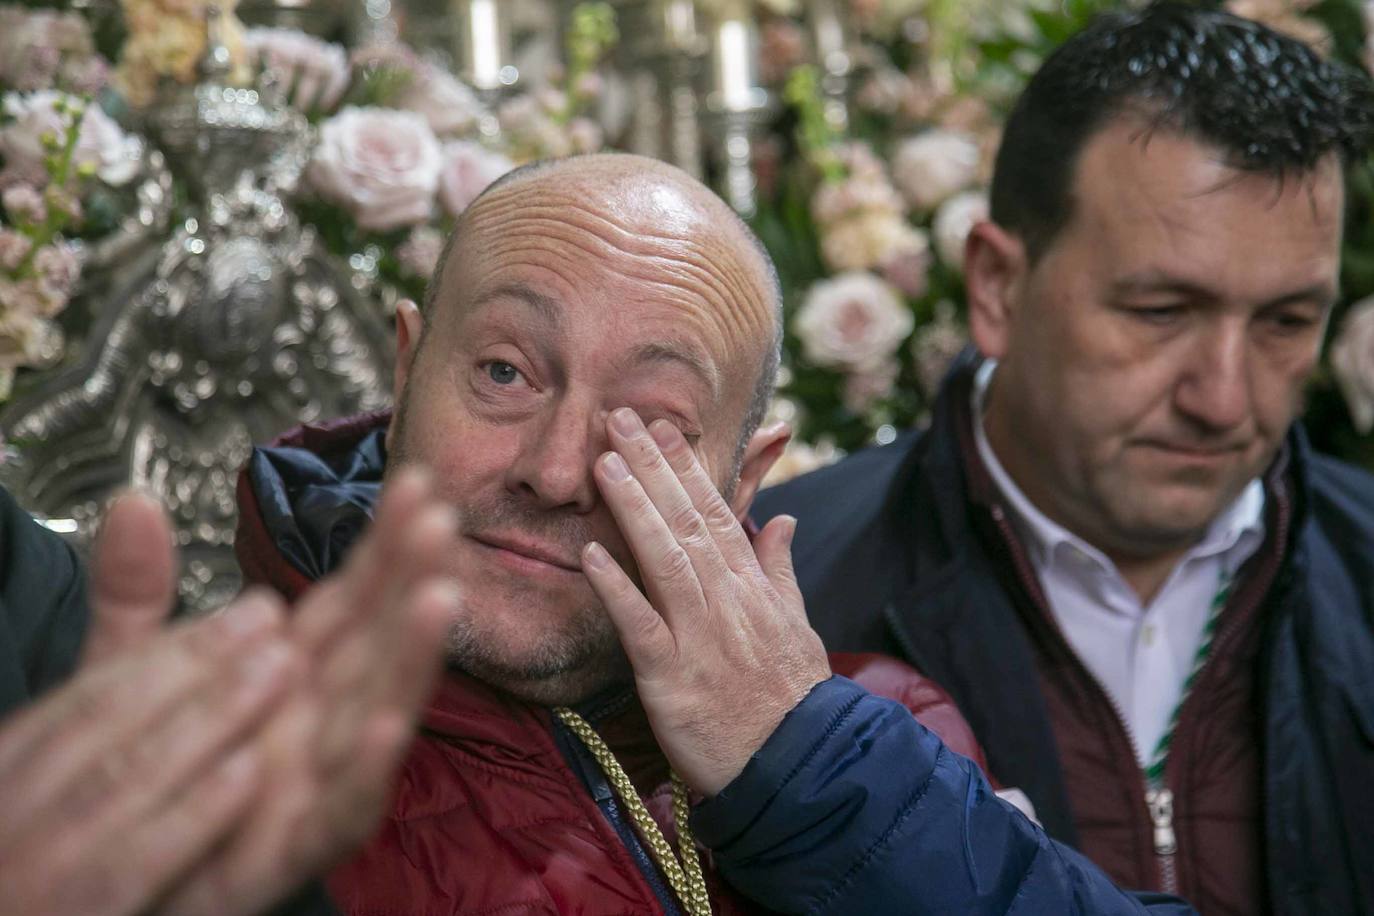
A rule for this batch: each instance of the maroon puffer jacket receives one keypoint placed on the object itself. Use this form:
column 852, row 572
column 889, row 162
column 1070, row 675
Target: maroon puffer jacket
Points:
column 489, row 815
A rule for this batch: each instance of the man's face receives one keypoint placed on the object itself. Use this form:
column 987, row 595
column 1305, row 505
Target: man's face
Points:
column 1155, row 356
column 559, row 308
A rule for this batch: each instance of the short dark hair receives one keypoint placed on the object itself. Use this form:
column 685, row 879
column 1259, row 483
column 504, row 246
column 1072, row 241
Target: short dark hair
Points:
column 1267, row 101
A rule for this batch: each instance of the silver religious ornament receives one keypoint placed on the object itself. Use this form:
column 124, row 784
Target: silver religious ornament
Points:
column 737, row 106
column 236, row 327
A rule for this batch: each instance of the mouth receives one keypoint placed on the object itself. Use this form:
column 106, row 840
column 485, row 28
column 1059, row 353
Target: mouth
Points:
column 527, row 556
column 1195, row 453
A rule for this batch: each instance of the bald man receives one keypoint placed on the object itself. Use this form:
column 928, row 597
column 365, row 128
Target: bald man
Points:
column 587, row 381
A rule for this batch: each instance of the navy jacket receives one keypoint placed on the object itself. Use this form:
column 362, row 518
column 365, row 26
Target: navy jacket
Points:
column 850, row 807
column 888, row 561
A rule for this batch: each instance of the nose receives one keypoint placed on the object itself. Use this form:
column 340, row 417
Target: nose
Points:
column 1215, row 391
column 554, row 464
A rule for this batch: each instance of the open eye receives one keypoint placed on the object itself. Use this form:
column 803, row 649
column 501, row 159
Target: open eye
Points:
column 502, row 372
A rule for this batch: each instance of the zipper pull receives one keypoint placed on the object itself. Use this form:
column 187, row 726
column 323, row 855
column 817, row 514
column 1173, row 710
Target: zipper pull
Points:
column 1160, row 801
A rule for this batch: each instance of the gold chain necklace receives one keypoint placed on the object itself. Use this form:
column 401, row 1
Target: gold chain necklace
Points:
column 685, row 877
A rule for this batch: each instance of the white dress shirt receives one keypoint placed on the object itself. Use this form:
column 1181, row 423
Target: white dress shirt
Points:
column 1141, row 654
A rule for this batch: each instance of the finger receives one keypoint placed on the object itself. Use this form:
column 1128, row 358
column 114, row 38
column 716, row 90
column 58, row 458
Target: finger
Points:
column 720, row 519
column 647, row 641
column 774, row 547
column 58, row 744
column 670, row 580
column 132, row 578
column 373, row 562
column 135, row 781
column 154, row 855
column 632, row 441
column 367, row 676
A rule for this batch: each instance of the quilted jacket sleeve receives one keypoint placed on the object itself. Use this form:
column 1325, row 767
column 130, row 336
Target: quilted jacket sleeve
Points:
column 852, row 806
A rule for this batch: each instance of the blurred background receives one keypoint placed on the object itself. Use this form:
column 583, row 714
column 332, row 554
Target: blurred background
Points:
column 208, row 210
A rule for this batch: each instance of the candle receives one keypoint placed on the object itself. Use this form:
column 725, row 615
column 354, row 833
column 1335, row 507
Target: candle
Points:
column 736, row 83
column 483, row 52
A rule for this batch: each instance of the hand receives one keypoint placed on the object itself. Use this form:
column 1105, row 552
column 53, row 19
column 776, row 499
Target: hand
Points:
column 372, row 637
column 721, row 648
column 115, row 785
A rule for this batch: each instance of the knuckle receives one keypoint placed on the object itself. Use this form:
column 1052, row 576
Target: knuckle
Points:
column 676, row 564
column 686, row 521
column 719, row 516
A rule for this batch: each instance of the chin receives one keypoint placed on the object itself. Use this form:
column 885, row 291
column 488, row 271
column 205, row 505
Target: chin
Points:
column 555, row 663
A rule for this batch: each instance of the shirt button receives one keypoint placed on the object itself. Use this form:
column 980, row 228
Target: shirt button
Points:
column 1147, row 634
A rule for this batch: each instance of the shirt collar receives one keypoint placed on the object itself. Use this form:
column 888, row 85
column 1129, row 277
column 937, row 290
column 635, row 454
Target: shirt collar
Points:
column 1234, row 534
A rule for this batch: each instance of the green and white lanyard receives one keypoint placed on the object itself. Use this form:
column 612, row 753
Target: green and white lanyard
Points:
column 1158, row 798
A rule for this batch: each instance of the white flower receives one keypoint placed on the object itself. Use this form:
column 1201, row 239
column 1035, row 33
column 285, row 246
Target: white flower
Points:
column 468, row 169
column 935, row 165
column 379, row 164
column 448, row 105
column 101, row 144
column 953, row 222
column 315, row 71
column 1352, row 359
column 852, row 321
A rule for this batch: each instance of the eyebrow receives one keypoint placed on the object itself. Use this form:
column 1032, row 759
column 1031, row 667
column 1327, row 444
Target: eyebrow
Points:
column 548, row 308
column 1152, row 281
column 670, row 352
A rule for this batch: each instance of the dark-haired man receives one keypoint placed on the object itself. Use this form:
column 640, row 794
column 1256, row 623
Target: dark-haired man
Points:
column 1114, row 546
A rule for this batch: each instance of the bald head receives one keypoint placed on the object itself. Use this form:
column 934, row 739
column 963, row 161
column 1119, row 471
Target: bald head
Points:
column 646, row 207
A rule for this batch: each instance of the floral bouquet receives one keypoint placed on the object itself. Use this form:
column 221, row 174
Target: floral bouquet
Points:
column 63, row 157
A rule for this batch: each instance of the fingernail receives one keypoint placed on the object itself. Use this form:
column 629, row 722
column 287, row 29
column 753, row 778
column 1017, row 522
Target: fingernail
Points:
column 665, row 434
column 625, row 421
column 596, row 555
column 790, row 531
column 616, row 468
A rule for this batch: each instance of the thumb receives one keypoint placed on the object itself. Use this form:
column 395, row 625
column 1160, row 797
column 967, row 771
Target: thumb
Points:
column 133, row 577
column 774, row 549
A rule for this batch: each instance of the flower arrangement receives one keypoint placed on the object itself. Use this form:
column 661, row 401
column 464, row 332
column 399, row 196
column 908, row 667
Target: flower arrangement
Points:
column 404, row 146
column 59, row 150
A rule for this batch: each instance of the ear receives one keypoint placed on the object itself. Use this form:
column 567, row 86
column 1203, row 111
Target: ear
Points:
column 995, row 270
column 410, row 325
column 763, row 451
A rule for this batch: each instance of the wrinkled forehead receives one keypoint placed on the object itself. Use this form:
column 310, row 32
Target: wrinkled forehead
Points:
column 667, row 246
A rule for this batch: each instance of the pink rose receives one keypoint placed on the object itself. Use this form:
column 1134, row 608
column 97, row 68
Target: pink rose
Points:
column 853, row 321
column 870, row 240
column 448, row 105
column 379, row 164
column 585, row 135
column 907, row 265
column 468, row 169
column 315, row 71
